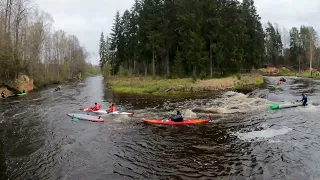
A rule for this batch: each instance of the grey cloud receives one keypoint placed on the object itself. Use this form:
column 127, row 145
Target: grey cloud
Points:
column 87, row 18
column 289, row 13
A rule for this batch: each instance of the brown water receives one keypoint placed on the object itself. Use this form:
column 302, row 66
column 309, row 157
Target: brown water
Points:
column 245, row 140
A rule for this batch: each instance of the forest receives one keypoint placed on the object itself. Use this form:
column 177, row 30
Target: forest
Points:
column 183, row 38
column 30, row 45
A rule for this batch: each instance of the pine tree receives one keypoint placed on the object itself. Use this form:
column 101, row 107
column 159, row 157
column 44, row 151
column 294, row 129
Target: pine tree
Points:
column 254, row 47
column 192, row 37
column 273, row 44
column 169, row 32
column 117, row 44
column 192, row 43
column 102, row 51
column 126, row 36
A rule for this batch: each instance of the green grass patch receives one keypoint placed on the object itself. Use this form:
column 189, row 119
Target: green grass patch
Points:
column 259, row 81
column 302, row 74
column 165, row 87
column 148, row 85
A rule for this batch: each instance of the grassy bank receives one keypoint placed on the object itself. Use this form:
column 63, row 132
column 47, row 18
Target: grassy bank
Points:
column 302, row 74
column 160, row 86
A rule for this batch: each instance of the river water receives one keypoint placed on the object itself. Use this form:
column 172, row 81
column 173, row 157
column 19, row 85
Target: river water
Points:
column 245, row 140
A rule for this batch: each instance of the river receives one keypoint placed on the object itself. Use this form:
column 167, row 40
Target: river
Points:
column 245, row 140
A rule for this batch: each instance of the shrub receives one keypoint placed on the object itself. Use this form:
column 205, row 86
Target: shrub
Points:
column 203, row 75
column 238, row 76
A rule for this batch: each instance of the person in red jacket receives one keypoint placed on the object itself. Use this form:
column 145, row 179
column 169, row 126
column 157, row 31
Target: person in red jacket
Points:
column 111, row 108
column 96, row 107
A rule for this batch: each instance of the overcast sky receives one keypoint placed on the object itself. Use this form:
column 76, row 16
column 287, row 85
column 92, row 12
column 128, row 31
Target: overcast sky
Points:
column 87, row 18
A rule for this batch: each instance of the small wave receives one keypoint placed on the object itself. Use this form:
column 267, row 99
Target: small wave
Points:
column 215, row 110
column 15, row 115
column 310, row 108
column 37, row 99
column 268, row 133
column 189, row 114
column 232, row 102
column 230, row 94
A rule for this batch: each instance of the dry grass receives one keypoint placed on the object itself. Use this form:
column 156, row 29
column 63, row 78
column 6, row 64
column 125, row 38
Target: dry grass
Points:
column 160, row 86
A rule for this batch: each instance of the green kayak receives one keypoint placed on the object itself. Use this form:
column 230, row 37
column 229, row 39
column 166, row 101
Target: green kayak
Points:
column 22, row 94
column 282, row 106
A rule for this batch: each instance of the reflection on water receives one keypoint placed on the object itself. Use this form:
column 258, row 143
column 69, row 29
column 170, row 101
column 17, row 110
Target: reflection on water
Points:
column 245, row 140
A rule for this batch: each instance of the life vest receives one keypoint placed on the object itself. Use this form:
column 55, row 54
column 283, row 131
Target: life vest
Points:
column 111, row 109
column 96, row 107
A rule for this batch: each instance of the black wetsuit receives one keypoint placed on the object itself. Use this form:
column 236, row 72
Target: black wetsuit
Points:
column 178, row 118
column 304, row 100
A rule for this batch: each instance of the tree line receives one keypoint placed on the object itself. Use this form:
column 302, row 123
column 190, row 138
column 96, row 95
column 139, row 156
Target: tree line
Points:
column 297, row 48
column 29, row 45
column 199, row 37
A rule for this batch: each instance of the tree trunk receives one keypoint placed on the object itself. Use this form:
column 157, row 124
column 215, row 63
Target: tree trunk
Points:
column 153, row 61
column 134, row 66
column 211, row 62
column 9, row 18
column 6, row 18
column 310, row 54
column 194, row 70
column 45, row 70
column 168, row 64
column 130, row 66
column 146, row 68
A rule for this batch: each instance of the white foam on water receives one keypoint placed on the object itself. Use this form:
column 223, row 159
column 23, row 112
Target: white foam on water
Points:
column 263, row 134
column 271, row 141
column 189, row 114
column 233, row 102
column 17, row 114
column 309, row 108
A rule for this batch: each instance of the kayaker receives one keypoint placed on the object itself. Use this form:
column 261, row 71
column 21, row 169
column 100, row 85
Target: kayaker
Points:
column 58, row 88
column 282, row 79
column 2, row 95
column 178, row 118
column 111, row 108
column 23, row 91
column 278, row 83
column 96, row 107
column 304, row 100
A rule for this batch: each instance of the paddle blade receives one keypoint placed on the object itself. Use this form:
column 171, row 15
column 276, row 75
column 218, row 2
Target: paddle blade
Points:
column 74, row 119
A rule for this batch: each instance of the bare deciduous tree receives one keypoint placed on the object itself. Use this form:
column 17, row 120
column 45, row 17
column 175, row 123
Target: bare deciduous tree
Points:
column 29, row 45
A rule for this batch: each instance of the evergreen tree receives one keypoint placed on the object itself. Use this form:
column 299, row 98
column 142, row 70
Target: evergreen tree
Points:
column 273, row 44
column 254, row 47
column 117, row 46
column 193, row 37
column 102, row 51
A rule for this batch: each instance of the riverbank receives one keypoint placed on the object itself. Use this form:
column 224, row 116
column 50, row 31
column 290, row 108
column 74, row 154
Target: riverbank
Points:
column 163, row 87
column 28, row 84
column 302, row 74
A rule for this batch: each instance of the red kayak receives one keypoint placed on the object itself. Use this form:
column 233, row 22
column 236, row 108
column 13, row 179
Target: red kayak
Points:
column 166, row 121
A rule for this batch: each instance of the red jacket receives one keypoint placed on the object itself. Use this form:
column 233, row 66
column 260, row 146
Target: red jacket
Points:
column 111, row 109
column 96, row 107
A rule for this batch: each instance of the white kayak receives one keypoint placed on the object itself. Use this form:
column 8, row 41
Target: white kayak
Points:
column 106, row 112
column 86, row 117
column 283, row 106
